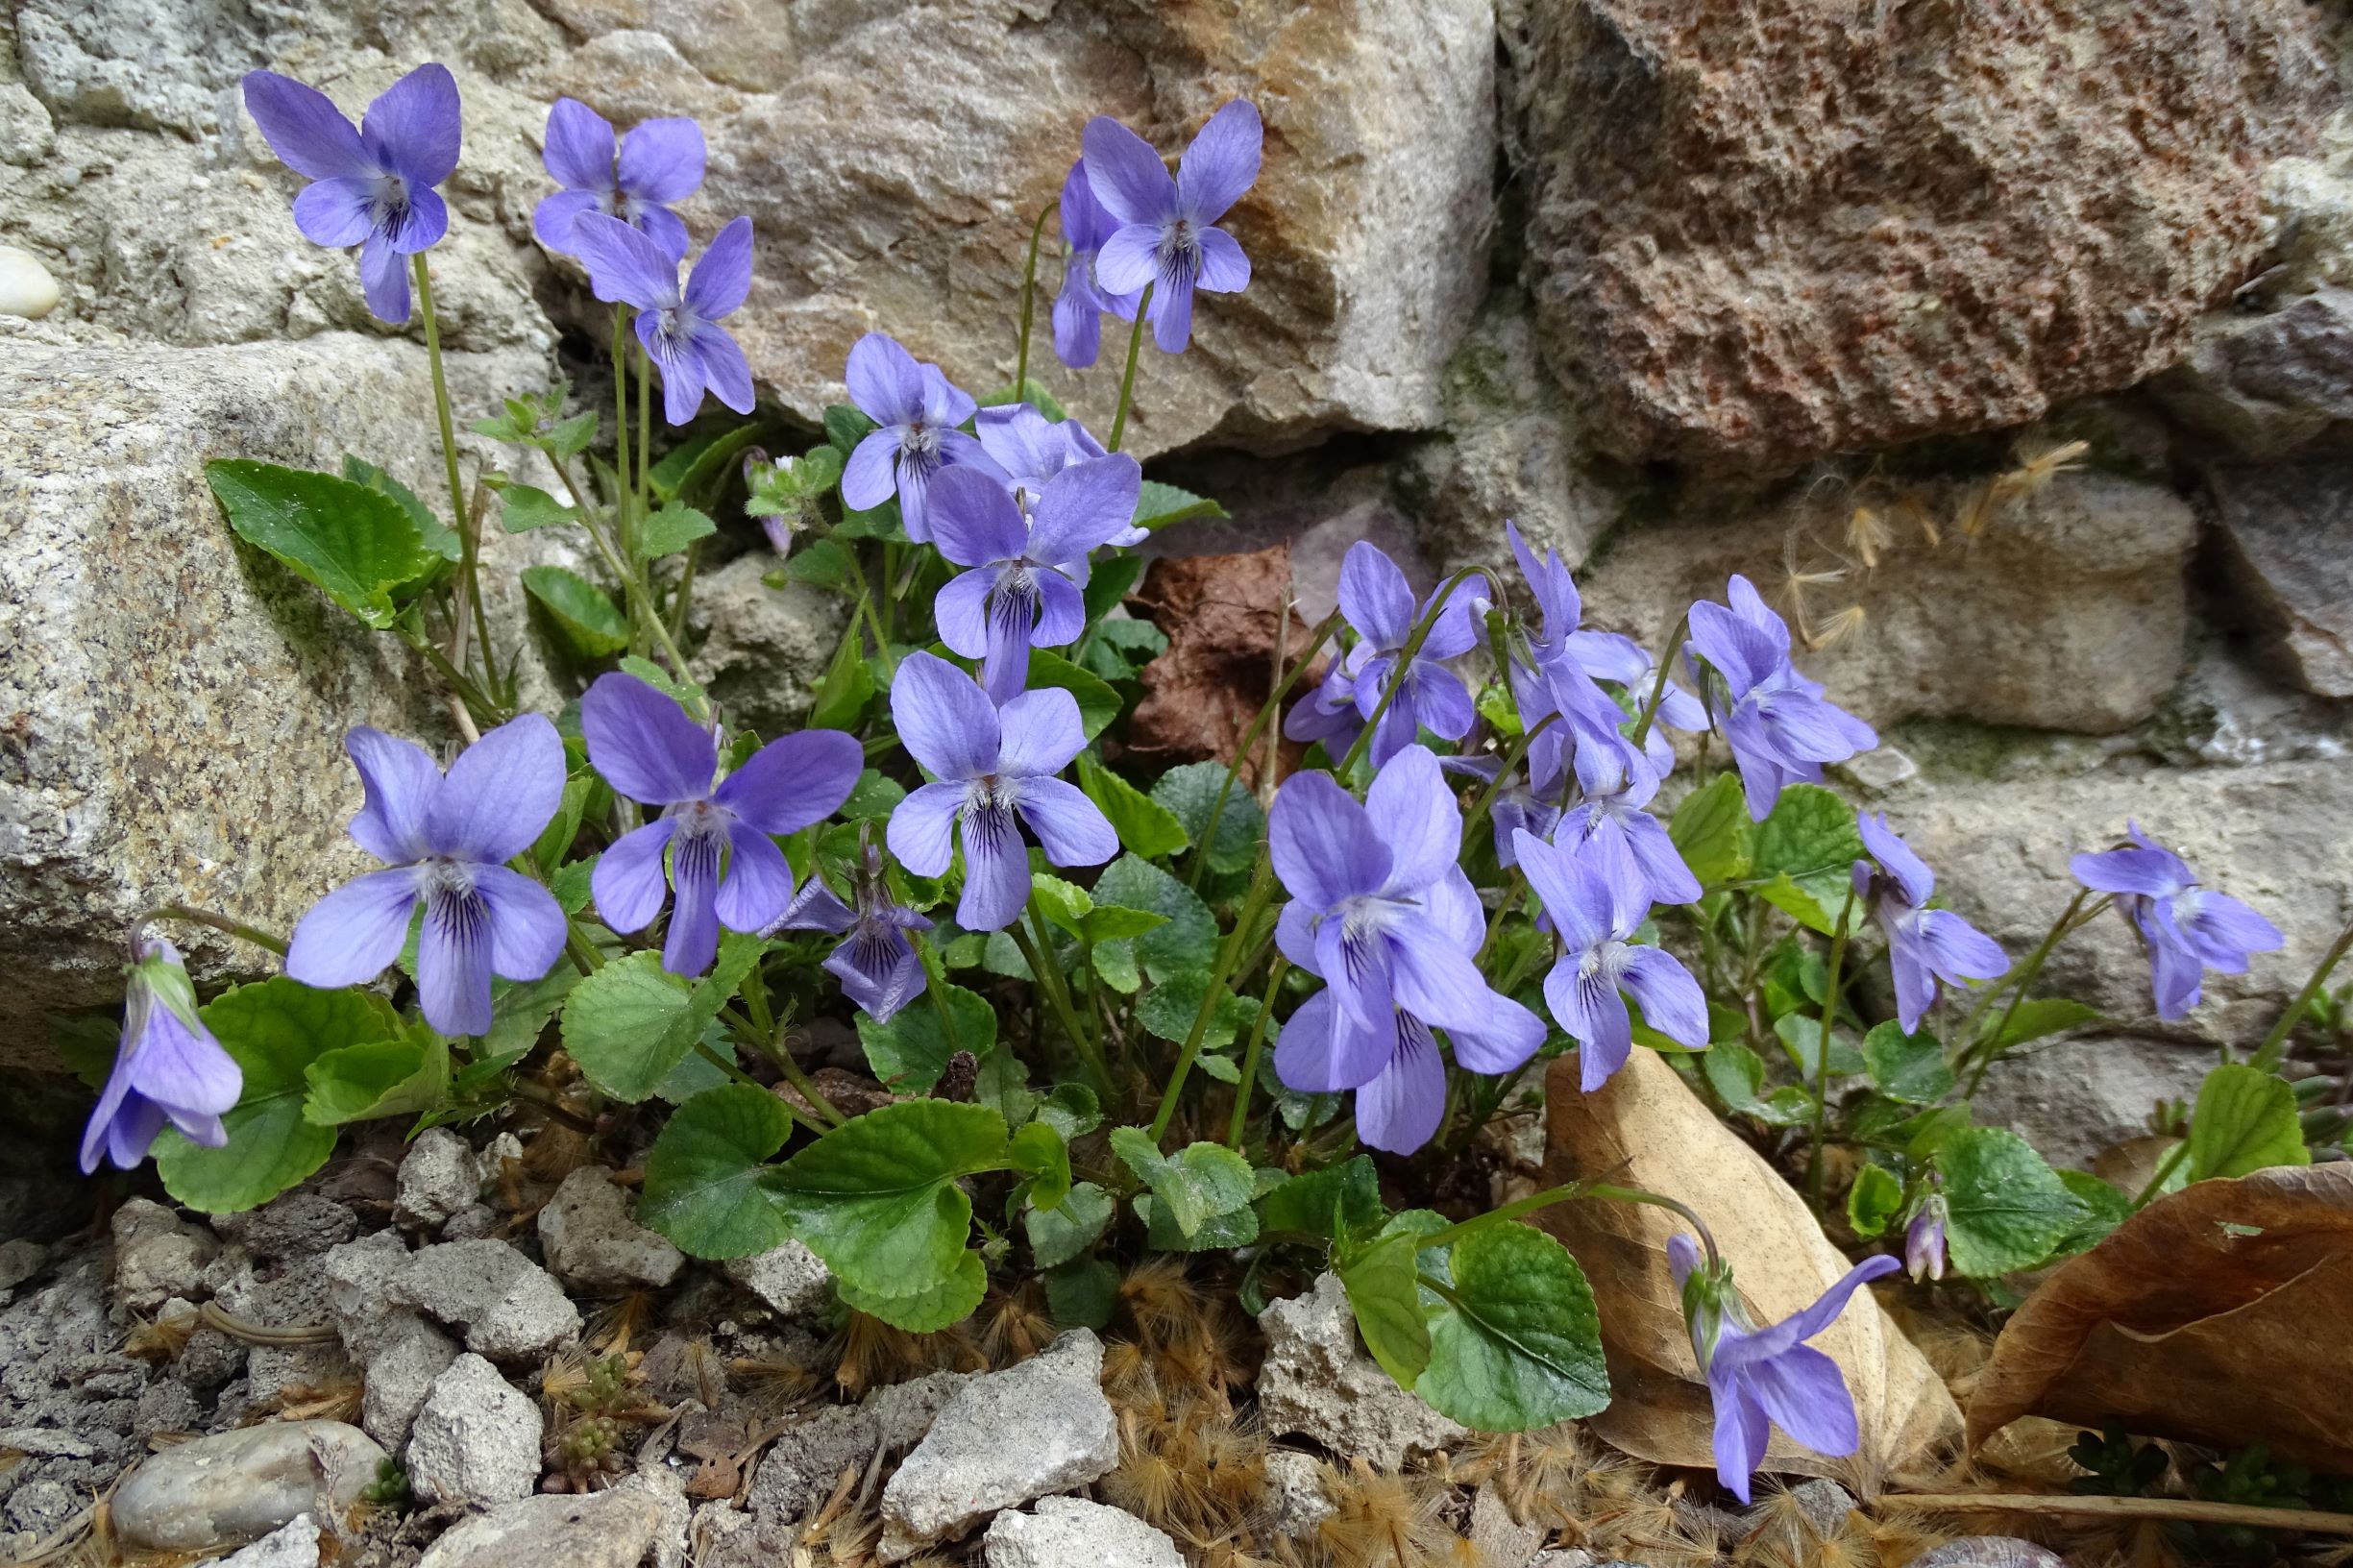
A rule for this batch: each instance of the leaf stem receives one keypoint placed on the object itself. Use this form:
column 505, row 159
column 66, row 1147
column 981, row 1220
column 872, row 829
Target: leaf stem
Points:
column 1821, row 1052
column 1250, row 738
column 1127, row 381
column 1049, row 981
column 1229, row 953
column 2273, row 1050
column 641, row 610
column 1029, row 300
column 1275, row 973
column 468, row 534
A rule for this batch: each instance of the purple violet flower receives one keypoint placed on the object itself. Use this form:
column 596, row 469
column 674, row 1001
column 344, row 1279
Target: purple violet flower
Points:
column 1596, row 902
column 648, row 749
column 878, row 966
column 2188, row 929
column 1168, row 234
column 1775, row 721
column 1380, row 912
column 446, row 839
column 1031, row 449
column 1078, row 309
column 168, row 1067
column 679, row 329
column 1377, row 601
column 1023, row 589
column 1758, row 1378
column 1520, row 803
column 994, row 768
column 916, row 410
column 1924, row 944
column 1923, row 1242
column 636, row 179
column 372, row 187
column 1614, row 784
column 1329, row 713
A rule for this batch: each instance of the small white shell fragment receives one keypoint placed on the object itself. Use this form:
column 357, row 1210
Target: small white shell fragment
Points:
column 25, row 288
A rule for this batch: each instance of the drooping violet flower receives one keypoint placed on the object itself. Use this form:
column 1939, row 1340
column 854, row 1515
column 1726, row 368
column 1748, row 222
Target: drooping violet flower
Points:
column 878, row 966
column 1924, row 944
column 1329, row 713
column 1167, row 235
column 447, row 840
column 917, row 411
column 1023, row 589
column 680, row 328
column 1078, row 309
column 1377, row 601
column 1758, row 1378
column 1923, row 1240
column 1596, row 901
column 648, row 749
column 372, row 187
column 1614, row 784
column 1520, row 802
column 168, row 1068
column 1383, row 916
column 993, row 769
column 1776, row 721
column 2187, row 929
column 636, row 179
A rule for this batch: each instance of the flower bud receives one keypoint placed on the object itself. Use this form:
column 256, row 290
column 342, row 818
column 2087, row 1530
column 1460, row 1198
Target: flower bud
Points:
column 1923, row 1243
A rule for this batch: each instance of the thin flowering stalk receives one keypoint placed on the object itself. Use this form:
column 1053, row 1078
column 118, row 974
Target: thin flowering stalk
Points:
column 217, row 923
column 1658, row 686
column 1448, row 1236
column 1822, row 1051
column 1406, row 655
column 469, row 542
column 620, row 433
column 1127, row 378
column 1513, row 755
column 2273, row 1050
column 1029, row 298
column 632, row 589
column 1254, row 1049
column 2069, row 921
column 1250, row 739
column 1049, row 981
column 1254, row 907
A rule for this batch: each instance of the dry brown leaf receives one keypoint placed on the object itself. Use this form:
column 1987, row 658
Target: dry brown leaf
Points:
column 1645, row 1127
column 2217, row 1314
column 1226, row 617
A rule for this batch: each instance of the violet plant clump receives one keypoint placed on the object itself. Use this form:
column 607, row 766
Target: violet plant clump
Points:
column 1127, row 1008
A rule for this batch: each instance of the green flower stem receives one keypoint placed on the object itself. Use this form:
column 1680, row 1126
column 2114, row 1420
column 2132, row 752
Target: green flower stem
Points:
column 645, row 437
column 1029, row 300
column 2273, row 1050
column 888, row 608
column 935, row 982
column 1275, row 973
column 1127, row 381
column 686, row 591
column 2173, row 1157
column 1449, row 1234
column 2074, row 917
column 457, row 680
column 1821, row 1052
column 640, row 609
column 1513, row 755
column 621, row 431
column 584, row 955
column 798, row 1077
column 1405, row 662
column 1058, row 998
column 1250, row 739
column 1229, row 953
column 466, row 533
column 216, row 922
column 1515, row 888
column 1659, row 687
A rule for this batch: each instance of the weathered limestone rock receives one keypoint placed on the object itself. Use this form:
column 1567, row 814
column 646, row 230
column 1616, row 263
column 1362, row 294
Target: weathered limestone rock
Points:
column 613, row 1529
column 476, row 1439
column 509, row 1308
column 1318, row 1382
column 1072, row 1533
column 177, row 701
column 591, row 1241
column 239, row 1486
column 1297, row 1499
column 2068, row 611
column 2267, row 383
column 2289, row 526
column 791, row 1278
column 1035, row 1428
column 803, row 1464
column 764, row 649
column 440, row 1175
column 157, row 1255
column 1800, row 231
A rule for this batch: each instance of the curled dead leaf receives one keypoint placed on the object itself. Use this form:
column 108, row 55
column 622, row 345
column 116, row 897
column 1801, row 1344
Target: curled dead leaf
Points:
column 1228, row 620
column 2216, row 1315
column 1645, row 1127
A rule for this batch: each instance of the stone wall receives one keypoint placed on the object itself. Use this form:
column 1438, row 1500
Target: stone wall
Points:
column 1684, row 289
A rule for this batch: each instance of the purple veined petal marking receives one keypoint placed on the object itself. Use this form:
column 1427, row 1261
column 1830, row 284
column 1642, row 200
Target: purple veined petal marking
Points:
column 376, row 182
column 1167, row 235
column 677, row 326
column 1596, row 902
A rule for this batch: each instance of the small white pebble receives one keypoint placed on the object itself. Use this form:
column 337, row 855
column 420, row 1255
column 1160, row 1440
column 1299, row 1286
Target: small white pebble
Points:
column 25, row 288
